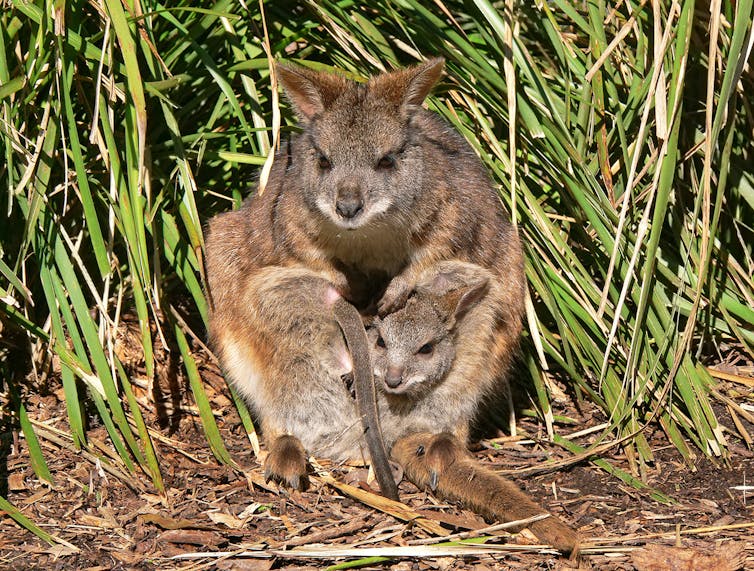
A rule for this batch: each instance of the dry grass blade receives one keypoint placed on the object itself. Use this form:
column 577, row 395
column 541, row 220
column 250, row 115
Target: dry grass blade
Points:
column 335, row 552
column 396, row 509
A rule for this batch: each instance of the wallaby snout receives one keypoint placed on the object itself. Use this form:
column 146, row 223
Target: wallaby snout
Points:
column 349, row 202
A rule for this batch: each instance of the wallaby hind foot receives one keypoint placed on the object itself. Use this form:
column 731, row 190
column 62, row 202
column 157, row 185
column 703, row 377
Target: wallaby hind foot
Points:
column 286, row 462
column 441, row 463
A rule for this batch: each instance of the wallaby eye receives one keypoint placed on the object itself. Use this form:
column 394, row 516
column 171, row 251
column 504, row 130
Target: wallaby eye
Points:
column 380, row 342
column 324, row 163
column 386, row 162
column 426, row 349
column 420, row 450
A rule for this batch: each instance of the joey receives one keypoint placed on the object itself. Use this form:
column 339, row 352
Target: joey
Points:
column 413, row 351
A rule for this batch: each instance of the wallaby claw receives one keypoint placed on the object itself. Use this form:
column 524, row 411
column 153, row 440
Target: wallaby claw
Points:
column 395, row 297
column 434, row 480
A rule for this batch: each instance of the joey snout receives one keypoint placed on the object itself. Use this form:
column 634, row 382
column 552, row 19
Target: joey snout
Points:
column 394, row 376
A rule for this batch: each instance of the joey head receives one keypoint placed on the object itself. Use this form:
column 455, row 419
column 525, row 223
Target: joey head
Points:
column 414, row 347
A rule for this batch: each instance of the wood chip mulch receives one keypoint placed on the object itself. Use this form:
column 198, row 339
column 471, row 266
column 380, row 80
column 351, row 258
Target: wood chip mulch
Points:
column 212, row 516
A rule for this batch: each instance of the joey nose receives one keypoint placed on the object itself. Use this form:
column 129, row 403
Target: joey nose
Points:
column 394, row 377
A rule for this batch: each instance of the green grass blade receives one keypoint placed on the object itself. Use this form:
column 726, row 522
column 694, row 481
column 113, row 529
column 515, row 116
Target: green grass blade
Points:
column 202, row 402
column 13, row 512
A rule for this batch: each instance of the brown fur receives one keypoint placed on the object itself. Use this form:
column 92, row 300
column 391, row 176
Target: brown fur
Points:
column 441, row 463
column 433, row 202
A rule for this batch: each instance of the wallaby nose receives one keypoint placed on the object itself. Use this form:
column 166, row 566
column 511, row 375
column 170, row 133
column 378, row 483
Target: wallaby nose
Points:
column 349, row 208
column 349, row 203
column 394, row 377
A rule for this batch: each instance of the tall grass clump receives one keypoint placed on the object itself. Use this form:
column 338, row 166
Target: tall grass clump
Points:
column 619, row 135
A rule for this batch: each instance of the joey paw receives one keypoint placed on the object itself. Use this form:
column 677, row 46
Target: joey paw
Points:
column 286, row 463
column 395, row 297
column 397, row 470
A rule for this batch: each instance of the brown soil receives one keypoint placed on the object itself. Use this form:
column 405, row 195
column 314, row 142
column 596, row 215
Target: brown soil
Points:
column 113, row 521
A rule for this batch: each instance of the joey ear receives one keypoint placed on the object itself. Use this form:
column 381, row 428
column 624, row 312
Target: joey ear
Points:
column 452, row 276
column 310, row 92
column 457, row 299
column 470, row 296
column 409, row 86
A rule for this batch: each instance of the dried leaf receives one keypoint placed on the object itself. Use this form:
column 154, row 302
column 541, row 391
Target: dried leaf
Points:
column 192, row 537
column 16, row 482
column 96, row 521
column 227, row 520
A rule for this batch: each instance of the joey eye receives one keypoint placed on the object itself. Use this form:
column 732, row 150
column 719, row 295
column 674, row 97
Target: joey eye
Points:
column 324, row 163
column 386, row 162
column 380, row 342
column 426, row 349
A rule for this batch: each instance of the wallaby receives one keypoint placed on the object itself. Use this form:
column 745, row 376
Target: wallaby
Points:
column 372, row 193
column 413, row 349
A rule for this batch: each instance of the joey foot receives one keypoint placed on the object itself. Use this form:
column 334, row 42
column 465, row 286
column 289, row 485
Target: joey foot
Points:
column 441, row 463
column 286, row 462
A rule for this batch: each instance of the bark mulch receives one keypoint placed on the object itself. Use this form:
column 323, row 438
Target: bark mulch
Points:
column 217, row 517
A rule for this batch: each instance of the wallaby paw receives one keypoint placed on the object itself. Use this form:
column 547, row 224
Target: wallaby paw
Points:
column 286, row 463
column 395, row 297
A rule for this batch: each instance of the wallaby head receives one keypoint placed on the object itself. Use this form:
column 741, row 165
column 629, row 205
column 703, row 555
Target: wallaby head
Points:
column 414, row 347
column 359, row 161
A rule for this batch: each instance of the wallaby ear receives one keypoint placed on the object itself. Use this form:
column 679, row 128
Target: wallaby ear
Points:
column 411, row 85
column 310, row 92
column 423, row 78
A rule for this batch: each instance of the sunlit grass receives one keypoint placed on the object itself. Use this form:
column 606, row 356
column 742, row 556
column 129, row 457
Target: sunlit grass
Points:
column 622, row 154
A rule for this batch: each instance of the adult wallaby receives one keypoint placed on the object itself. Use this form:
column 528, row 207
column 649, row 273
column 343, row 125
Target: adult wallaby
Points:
column 371, row 194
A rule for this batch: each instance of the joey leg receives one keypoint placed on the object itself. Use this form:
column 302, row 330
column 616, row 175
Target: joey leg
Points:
column 441, row 463
column 286, row 462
